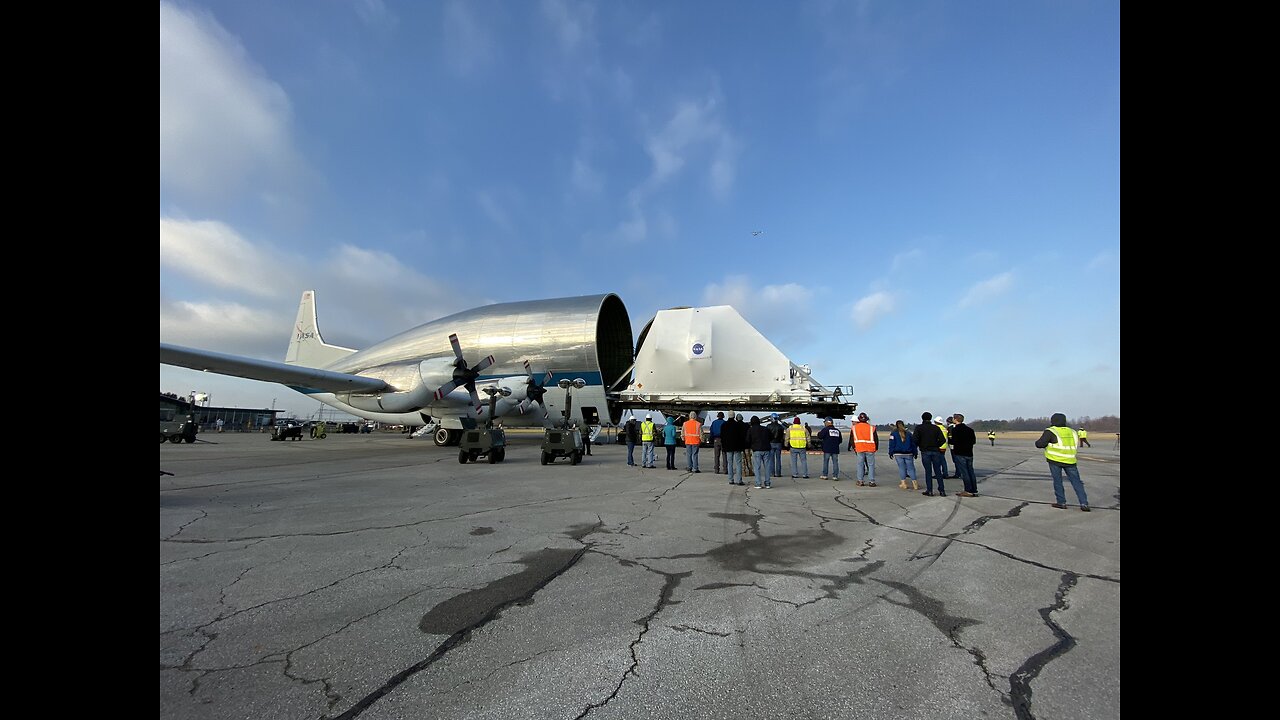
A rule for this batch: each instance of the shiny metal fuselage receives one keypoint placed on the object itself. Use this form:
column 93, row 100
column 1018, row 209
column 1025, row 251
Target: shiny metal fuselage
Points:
column 561, row 335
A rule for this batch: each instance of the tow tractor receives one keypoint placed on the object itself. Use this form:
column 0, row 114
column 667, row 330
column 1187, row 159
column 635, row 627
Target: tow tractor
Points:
column 489, row 441
column 565, row 440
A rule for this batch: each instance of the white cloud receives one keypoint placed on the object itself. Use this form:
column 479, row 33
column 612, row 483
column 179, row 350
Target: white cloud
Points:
column 906, row 259
column 221, row 118
column 869, row 309
column 376, row 14
column 249, row 292
column 988, row 289
column 586, row 179
column 781, row 311
column 695, row 128
column 573, row 26
column 213, row 253
column 468, row 45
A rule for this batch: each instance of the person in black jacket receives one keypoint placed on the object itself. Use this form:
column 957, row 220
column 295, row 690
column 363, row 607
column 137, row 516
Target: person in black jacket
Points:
column 733, row 439
column 760, row 451
column 632, row 431
column 962, row 441
column 929, row 439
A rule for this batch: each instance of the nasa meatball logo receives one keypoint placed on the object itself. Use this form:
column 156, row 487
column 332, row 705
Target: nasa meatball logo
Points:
column 697, row 348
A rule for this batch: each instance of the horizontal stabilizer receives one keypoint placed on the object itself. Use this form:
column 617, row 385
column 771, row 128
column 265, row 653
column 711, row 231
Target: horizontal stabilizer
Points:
column 268, row 371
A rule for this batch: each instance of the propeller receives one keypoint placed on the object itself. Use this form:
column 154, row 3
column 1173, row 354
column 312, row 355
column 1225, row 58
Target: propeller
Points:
column 464, row 376
column 534, row 392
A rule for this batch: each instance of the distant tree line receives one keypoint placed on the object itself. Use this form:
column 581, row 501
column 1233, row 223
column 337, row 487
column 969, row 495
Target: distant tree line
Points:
column 1104, row 424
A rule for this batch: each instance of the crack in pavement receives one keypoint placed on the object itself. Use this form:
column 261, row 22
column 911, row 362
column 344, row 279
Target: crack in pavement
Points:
column 950, row 625
column 249, row 543
column 690, row 628
column 954, row 538
column 184, row 526
column 1020, row 680
column 512, row 590
column 670, row 582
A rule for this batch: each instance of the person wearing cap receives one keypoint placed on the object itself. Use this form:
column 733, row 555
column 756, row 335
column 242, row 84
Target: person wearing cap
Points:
column 831, row 438
column 669, row 442
column 716, row 445
column 647, row 456
column 1059, row 442
column 929, row 439
column 632, row 432
column 777, row 436
column 1084, row 437
column 733, row 437
column 942, row 425
column 759, row 436
column 962, row 440
column 865, row 440
column 692, row 441
column 798, row 439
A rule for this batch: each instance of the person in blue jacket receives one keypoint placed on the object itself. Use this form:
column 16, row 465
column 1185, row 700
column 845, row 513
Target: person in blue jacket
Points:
column 831, row 439
column 903, row 450
column 669, row 442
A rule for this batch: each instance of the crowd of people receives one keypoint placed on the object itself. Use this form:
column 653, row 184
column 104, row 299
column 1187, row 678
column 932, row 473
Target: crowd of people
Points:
column 754, row 447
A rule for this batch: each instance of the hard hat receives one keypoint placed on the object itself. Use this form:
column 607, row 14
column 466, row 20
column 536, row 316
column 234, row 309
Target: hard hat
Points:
column 829, row 420
column 646, row 416
column 774, row 416
column 938, row 419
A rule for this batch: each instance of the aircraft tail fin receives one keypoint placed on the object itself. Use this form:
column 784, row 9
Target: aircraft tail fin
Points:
column 306, row 347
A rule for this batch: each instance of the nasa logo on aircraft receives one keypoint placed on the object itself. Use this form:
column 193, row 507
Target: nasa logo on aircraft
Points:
column 303, row 335
column 697, row 348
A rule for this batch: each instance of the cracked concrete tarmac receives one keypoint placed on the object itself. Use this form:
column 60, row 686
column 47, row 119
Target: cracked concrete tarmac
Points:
column 360, row 577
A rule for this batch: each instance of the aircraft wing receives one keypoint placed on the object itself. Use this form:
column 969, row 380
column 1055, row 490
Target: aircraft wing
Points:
column 268, row 371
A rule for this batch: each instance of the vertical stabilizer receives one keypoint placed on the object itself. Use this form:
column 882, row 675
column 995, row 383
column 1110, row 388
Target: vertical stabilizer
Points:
column 306, row 348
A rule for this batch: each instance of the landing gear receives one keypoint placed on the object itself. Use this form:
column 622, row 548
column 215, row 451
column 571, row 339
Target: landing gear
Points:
column 444, row 437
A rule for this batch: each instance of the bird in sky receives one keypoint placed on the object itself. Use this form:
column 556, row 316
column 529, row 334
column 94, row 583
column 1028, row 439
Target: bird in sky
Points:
column 756, row 233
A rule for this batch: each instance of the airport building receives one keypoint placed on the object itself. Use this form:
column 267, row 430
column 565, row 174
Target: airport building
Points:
column 234, row 419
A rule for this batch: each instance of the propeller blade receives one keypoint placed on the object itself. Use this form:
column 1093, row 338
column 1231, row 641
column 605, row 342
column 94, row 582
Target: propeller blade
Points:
column 528, row 370
column 475, row 396
column 457, row 346
column 480, row 366
column 445, row 389
column 547, row 379
column 523, row 405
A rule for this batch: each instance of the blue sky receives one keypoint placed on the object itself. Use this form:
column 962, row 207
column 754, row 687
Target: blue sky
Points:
column 938, row 183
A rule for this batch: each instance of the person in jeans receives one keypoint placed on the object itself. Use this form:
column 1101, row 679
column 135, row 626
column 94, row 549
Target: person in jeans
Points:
column 715, row 439
column 760, row 451
column 831, row 439
column 647, row 457
column 777, row 435
column 798, row 439
column 632, row 432
column 692, row 441
column 865, row 440
column 929, row 439
column 1060, row 443
column 903, row 450
column 669, row 442
column 733, row 437
column 962, row 440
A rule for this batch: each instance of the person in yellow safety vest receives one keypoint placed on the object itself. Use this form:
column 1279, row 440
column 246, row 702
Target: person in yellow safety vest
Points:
column 647, row 456
column 992, row 437
column 798, row 440
column 1059, row 442
column 865, row 441
column 1084, row 437
column 942, row 425
column 692, row 441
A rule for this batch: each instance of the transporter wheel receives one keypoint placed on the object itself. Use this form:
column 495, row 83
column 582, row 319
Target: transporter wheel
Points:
column 190, row 439
column 546, row 458
column 162, row 438
column 175, row 439
column 493, row 457
column 575, row 457
column 462, row 456
column 502, row 454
